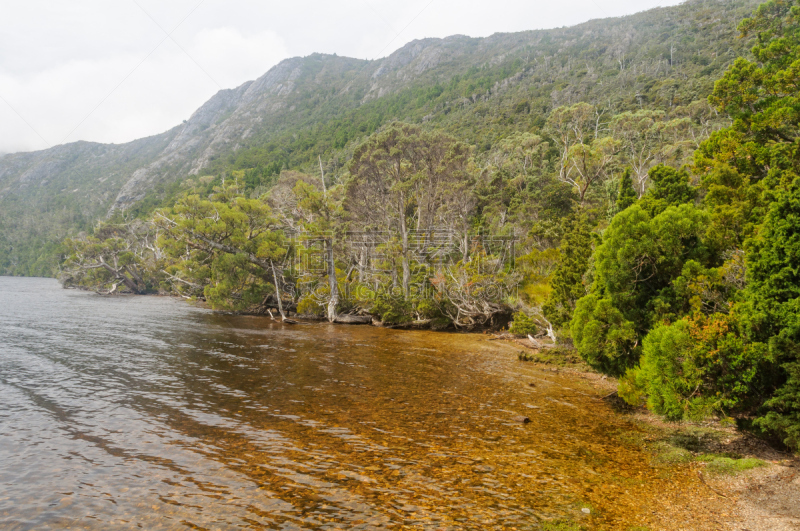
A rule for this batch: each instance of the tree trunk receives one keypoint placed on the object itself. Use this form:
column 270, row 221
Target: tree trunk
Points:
column 277, row 291
column 406, row 269
column 138, row 278
column 119, row 275
column 333, row 300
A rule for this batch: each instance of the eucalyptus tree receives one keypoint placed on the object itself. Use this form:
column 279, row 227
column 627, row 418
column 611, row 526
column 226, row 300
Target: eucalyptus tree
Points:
column 403, row 179
column 587, row 154
column 639, row 135
column 306, row 205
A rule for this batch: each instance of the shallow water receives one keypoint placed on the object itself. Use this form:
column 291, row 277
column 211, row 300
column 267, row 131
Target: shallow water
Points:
column 123, row 412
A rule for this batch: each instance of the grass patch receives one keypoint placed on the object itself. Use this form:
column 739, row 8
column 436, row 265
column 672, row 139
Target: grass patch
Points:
column 723, row 465
column 561, row 525
column 558, row 356
column 666, row 452
column 671, row 455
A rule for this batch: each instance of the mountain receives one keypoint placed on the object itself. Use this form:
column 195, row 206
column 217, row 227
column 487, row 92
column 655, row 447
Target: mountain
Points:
column 479, row 89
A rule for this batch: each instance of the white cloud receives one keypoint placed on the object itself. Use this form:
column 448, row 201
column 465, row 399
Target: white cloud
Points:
column 61, row 59
column 138, row 95
column 231, row 57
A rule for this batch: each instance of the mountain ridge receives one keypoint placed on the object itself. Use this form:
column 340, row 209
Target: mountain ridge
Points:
column 324, row 104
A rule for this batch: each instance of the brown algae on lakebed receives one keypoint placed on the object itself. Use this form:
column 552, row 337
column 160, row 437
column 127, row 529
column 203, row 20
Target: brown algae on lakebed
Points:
column 420, row 427
column 214, row 421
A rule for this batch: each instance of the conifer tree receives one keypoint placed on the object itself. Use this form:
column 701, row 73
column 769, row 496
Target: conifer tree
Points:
column 568, row 284
column 627, row 195
column 670, row 187
column 773, row 309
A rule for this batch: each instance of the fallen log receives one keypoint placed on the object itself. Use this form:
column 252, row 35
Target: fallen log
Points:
column 411, row 325
column 353, row 319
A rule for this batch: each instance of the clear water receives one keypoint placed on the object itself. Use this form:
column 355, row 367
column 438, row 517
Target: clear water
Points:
column 126, row 412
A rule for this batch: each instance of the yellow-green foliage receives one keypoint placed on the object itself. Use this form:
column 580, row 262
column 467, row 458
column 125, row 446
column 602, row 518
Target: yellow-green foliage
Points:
column 629, row 390
column 537, row 268
column 693, row 367
column 723, row 465
column 310, row 304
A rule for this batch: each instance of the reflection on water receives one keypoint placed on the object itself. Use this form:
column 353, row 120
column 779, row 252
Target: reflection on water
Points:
column 118, row 412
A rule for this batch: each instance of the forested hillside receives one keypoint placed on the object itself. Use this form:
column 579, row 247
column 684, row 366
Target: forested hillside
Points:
column 485, row 92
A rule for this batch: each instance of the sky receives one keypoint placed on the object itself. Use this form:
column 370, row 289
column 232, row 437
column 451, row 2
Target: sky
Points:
column 116, row 70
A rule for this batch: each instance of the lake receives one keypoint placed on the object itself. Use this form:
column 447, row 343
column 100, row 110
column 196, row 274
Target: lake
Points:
column 147, row 412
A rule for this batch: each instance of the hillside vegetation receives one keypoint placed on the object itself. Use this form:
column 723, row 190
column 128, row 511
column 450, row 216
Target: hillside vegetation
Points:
column 481, row 91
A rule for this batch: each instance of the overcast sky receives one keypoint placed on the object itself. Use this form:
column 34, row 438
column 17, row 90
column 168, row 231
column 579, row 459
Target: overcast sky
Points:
column 116, row 70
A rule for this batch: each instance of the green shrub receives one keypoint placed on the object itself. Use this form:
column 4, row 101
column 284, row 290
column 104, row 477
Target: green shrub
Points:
column 392, row 310
column 695, row 367
column 428, row 309
column 634, row 270
column 522, row 325
column 602, row 335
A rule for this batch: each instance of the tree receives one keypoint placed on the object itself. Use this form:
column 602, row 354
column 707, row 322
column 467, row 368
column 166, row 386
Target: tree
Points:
column 634, row 269
column 773, row 308
column 670, row 188
column 400, row 182
column 627, row 195
column 240, row 240
column 572, row 125
column 118, row 254
column 568, row 284
column 639, row 134
column 586, row 156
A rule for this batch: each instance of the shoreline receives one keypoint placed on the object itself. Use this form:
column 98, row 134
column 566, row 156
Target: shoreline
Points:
column 762, row 496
